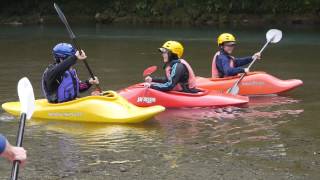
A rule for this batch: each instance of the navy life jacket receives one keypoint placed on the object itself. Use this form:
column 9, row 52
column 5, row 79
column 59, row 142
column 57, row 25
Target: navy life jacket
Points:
column 68, row 88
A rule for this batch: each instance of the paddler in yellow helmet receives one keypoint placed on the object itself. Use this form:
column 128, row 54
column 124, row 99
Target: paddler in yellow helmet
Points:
column 179, row 74
column 223, row 64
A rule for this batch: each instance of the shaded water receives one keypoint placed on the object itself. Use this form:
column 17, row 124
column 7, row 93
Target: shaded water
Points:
column 274, row 138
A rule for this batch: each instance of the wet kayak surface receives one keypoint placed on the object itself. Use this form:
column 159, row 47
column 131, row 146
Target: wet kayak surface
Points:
column 274, row 138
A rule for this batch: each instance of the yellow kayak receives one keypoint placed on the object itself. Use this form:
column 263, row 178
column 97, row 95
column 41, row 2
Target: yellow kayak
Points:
column 110, row 108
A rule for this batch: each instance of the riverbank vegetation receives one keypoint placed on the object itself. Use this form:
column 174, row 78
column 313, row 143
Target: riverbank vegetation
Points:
column 173, row 12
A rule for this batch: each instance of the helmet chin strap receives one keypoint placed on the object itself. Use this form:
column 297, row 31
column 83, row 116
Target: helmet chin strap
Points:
column 58, row 60
column 165, row 65
column 221, row 48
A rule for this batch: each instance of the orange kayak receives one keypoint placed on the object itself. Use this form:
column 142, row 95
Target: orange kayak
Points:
column 255, row 83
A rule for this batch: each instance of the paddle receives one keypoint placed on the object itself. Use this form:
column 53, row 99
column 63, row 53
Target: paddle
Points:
column 27, row 101
column 149, row 71
column 73, row 38
column 272, row 36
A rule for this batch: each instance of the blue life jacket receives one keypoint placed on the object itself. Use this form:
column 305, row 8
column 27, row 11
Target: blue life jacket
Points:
column 69, row 86
column 67, row 89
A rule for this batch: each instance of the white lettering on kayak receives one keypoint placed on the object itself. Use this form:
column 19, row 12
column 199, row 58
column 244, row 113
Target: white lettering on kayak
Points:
column 253, row 83
column 148, row 100
column 65, row 114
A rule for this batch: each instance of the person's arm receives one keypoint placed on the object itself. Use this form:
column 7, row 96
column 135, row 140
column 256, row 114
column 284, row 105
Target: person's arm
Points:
column 58, row 70
column 159, row 79
column 230, row 71
column 84, row 86
column 176, row 74
column 12, row 153
column 3, row 142
column 242, row 61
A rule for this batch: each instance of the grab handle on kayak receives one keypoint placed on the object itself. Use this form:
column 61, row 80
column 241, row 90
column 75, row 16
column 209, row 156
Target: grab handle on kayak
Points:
column 109, row 94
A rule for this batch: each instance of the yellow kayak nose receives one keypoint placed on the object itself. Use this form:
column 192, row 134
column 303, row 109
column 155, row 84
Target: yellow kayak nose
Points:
column 110, row 108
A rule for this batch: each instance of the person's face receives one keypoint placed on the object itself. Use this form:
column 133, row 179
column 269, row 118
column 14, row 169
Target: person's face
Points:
column 165, row 56
column 229, row 47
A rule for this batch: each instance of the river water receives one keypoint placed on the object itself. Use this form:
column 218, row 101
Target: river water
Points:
column 276, row 137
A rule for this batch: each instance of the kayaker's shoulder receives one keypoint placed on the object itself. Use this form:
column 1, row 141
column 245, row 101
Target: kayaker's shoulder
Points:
column 179, row 66
column 222, row 56
column 49, row 68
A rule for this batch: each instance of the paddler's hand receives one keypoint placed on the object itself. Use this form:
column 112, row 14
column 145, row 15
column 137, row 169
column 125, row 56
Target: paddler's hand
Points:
column 81, row 56
column 94, row 81
column 147, row 85
column 148, row 79
column 96, row 93
column 246, row 70
column 257, row 55
column 13, row 153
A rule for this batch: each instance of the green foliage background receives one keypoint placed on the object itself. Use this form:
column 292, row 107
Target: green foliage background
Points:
column 175, row 9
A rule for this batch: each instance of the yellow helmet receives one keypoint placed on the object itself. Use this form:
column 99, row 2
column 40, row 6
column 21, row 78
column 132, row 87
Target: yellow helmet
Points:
column 225, row 37
column 174, row 47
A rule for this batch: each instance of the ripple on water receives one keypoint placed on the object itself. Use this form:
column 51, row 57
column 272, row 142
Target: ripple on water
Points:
column 249, row 131
column 4, row 117
column 98, row 143
column 245, row 132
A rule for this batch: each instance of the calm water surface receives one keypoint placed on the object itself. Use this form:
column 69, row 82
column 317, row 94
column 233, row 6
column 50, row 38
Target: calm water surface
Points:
column 274, row 138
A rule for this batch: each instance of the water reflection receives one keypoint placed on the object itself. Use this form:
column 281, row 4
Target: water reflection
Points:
column 76, row 146
column 171, row 138
column 249, row 131
column 110, row 137
column 231, row 128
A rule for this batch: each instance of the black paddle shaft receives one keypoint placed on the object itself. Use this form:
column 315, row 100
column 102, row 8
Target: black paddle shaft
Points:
column 15, row 167
column 73, row 38
column 85, row 62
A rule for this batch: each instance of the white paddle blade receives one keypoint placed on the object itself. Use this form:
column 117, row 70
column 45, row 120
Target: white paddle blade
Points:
column 26, row 97
column 274, row 35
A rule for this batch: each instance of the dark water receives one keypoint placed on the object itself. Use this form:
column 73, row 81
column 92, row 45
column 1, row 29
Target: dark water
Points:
column 274, row 138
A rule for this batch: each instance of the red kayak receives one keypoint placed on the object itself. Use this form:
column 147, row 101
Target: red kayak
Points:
column 142, row 96
column 255, row 83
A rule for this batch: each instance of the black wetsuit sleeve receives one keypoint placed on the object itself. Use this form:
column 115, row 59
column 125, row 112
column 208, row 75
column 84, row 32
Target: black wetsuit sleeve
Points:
column 159, row 79
column 58, row 70
column 84, row 86
column 177, row 72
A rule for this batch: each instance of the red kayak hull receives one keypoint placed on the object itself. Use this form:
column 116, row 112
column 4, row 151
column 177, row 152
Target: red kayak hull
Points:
column 255, row 83
column 143, row 97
